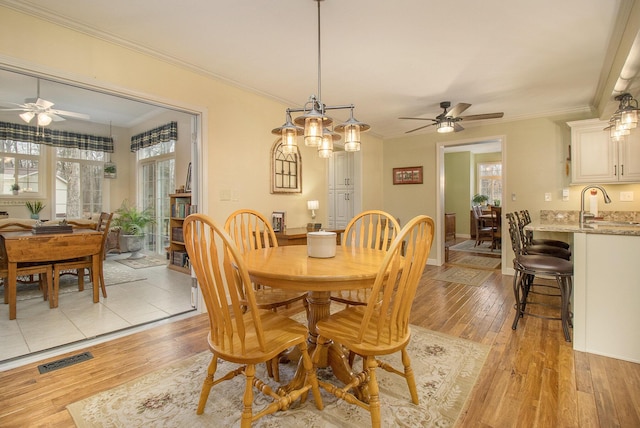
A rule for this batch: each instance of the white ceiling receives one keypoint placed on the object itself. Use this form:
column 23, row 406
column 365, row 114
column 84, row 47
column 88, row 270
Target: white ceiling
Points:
column 389, row 58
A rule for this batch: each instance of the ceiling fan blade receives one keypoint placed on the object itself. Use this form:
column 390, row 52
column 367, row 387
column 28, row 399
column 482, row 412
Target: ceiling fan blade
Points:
column 457, row 109
column 422, row 127
column 43, row 103
column 12, row 109
column 457, row 127
column 71, row 114
column 56, row 118
column 418, row 118
column 483, row 116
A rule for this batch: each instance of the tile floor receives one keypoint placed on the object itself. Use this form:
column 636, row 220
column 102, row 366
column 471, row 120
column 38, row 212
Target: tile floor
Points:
column 162, row 294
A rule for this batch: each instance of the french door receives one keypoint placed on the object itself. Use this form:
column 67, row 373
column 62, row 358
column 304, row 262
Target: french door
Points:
column 157, row 182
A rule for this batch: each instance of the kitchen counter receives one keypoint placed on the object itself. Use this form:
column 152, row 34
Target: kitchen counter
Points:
column 606, row 288
column 597, row 228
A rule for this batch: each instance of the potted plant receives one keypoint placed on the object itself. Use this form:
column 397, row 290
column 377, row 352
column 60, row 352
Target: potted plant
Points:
column 132, row 223
column 479, row 199
column 14, row 188
column 34, row 208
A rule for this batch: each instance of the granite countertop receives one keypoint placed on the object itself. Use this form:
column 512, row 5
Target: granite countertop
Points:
column 567, row 221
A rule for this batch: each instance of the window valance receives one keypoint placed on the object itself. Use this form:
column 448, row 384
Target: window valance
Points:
column 155, row 136
column 54, row 137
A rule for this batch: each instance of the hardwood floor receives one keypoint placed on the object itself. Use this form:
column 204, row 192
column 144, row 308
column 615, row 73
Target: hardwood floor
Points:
column 532, row 377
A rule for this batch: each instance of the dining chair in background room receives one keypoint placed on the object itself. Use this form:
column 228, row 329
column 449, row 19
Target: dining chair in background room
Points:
column 382, row 326
column 373, row 229
column 43, row 270
column 245, row 337
column 496, row 228
column 484, row 232
column 78, row 265
column 250, row 230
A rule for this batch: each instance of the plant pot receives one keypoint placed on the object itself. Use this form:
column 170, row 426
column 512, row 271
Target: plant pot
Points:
column 35, row 216
column 15, row 192
column 134, row 243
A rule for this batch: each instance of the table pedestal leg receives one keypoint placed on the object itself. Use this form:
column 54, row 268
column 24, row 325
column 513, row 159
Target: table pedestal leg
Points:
column 330, row 354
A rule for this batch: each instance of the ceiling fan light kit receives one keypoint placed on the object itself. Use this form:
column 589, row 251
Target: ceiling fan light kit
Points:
column 447, row 121
column 43, row 111
column 315, row 125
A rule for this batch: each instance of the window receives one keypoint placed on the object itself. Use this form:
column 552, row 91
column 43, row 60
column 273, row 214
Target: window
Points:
column 21, row 165
column 79, row 182
column 490, row 180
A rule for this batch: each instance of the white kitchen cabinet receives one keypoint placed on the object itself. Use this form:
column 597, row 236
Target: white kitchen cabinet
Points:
column 596, row 159
column 341, row 189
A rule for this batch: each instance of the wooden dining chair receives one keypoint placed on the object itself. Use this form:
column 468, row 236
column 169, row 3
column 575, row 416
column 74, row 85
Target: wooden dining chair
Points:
column 382, row 326
column 484, row 231
column 245, row 337
column 370, row 229
column 78, row 265
column 28, row 270
column 250, row 230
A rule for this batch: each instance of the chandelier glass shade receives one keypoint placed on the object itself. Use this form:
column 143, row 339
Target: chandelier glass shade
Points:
column 624, row 119
column 314, row 124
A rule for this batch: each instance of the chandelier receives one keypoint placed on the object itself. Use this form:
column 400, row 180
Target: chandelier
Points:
column 624, row 119
column 315, row 125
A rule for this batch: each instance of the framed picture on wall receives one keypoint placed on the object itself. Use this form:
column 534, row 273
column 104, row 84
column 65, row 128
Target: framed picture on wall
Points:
column 407, row 175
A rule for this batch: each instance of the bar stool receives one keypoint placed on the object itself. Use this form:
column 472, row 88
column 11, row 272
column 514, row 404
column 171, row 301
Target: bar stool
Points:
column 530, row 248
column 527, row 267
column 526, row 219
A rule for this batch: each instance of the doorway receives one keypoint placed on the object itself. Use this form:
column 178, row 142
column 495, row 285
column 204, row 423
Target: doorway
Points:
column 475, row 146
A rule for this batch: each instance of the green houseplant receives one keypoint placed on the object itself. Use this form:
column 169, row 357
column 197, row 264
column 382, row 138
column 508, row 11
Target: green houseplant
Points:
column 14, row 188
column 34, row 208
column 132, row 223
column 479, row 199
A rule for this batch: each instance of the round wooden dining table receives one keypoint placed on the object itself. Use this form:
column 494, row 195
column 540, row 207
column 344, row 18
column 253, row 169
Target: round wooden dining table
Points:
column 289, row 267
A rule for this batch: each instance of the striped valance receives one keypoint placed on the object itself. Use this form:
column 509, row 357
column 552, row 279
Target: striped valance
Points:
column 155, row 136
column 54, row 137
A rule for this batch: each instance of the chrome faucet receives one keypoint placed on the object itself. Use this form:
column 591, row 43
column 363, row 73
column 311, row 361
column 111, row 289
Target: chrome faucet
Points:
column 607, row 200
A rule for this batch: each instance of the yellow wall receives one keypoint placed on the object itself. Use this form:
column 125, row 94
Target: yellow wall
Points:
column 237, row 124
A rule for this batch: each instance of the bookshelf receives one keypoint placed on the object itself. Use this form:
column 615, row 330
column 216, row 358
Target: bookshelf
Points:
column 180, row 208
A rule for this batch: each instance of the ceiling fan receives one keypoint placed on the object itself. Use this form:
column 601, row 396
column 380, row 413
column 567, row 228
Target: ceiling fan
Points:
column 42, row 110
column 447, row 121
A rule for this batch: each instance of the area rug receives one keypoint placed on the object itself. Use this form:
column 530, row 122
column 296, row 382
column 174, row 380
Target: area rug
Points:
column 468, row 246
column 142, row 262
column 113, row 274
column 464, row 276
column 446, row 370
column 478, row 262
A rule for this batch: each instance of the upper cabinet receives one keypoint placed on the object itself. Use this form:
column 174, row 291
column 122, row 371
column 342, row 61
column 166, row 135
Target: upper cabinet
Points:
column 596, row 159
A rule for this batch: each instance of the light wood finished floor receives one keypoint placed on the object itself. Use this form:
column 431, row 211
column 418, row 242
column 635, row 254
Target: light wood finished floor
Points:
column 532, row 377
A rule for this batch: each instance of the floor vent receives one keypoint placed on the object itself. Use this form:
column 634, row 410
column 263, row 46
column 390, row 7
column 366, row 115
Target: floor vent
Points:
column 65, row 362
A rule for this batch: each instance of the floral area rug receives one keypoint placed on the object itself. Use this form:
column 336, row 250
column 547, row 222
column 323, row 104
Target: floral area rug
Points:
column 113, row 274
column 446, row 370
column 465, row 276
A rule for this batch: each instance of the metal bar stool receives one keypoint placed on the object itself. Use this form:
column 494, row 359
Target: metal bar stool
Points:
column 527, row 267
